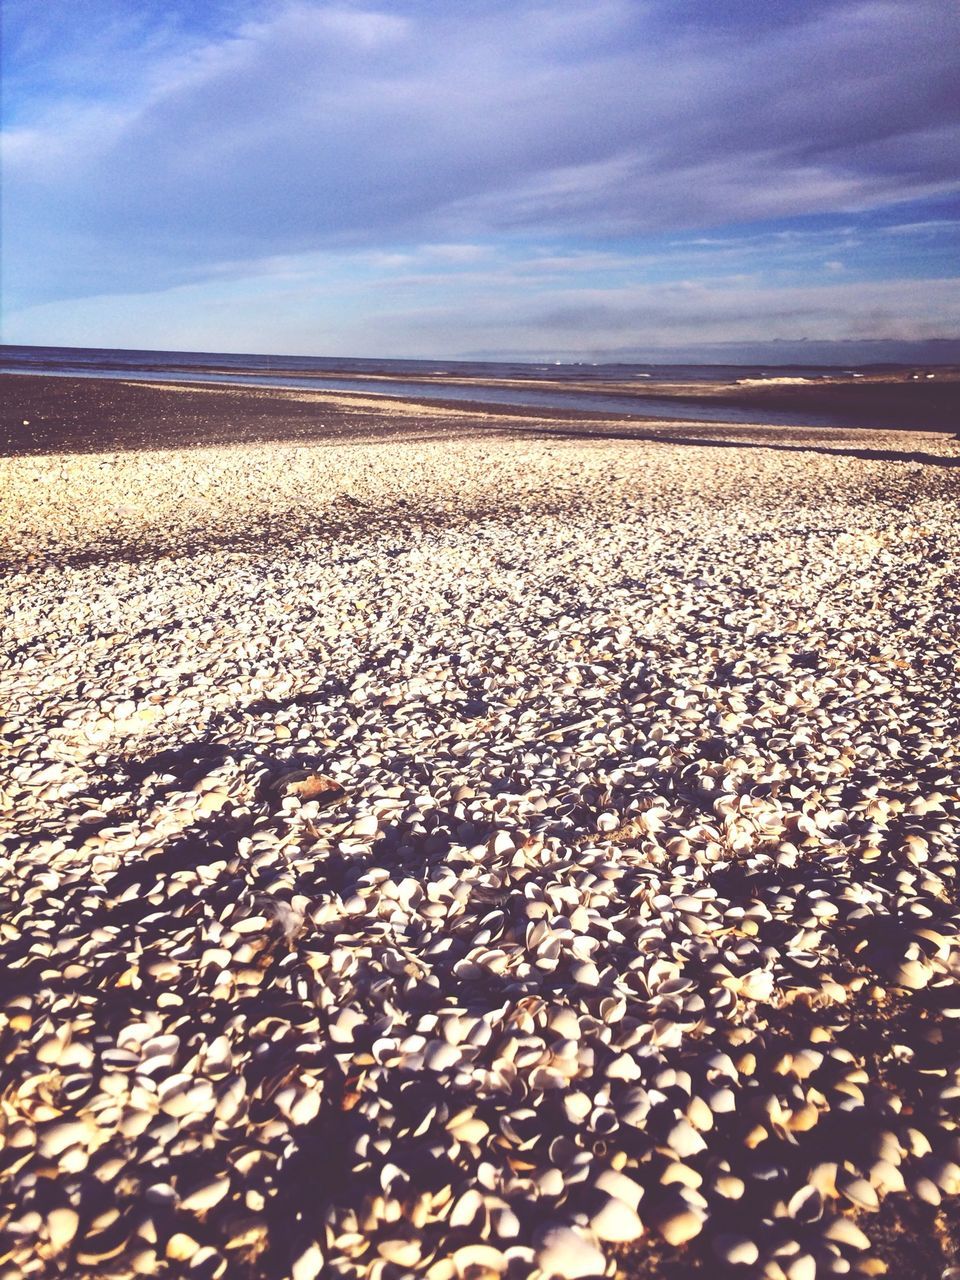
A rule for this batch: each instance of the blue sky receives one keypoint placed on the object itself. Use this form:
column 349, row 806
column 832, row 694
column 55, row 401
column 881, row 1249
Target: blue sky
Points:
column 564, row 178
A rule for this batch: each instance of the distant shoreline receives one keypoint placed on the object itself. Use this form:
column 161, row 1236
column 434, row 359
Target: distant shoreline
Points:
column 43, row 414
column 905, row 400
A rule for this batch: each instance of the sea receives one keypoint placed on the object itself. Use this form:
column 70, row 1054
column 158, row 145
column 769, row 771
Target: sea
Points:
column 448, row 380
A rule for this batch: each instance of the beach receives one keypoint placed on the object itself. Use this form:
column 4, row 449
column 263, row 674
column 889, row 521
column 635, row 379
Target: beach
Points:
column 459, row 841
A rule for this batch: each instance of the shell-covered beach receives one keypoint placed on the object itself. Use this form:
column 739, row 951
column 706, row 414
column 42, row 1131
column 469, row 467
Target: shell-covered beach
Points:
column 466, row 844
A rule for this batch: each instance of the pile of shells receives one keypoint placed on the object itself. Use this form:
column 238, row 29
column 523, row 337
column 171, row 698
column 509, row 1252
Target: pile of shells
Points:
column 542, row 865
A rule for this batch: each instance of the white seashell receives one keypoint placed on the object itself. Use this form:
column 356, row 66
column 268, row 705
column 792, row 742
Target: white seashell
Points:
column 471, row 1130
column 585, row 974
column 616, row 1222
column 58, row 1138
column 620, row 1187
column 803, row 1267
column 681, row 1175
column 845, row 1231
column 467, row 1209
column 678, row 1225
column 474, row 1260
column 308, row 1264
column 181, row 1247
column 684, row 1140
column 440, row 1056
column 886, row 1178
column 729, row 1186
column 623, row 1067
column 62, row 1226
column 185, row 1095
column 206, row 1196
column 577, row 1106
column 403, row 1253
column 911, row 974
column 566, row 1255
column 736, row 1251
column 859, row 1192
column 946, row 1174
column 926, row 1189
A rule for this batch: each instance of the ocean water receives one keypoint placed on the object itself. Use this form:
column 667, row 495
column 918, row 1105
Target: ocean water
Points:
column 454, row 380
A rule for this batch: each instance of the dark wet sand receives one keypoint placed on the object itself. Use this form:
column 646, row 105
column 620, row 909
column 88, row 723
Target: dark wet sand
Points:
column 41, row 414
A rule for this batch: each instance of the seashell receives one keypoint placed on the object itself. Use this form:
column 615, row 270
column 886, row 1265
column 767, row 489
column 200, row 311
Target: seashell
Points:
column 946, row 1174
column 805, row 1205
column 104, row 1243
column 182, row 1095
column 802, row 1267
column 566, row 1255
column 729, row 1186
column 62, row 1224
column 684, row 1140
column 678, row 1223
column 403, row 1253
column 308, row 1265
column 205, row 1195
column 479, row 1261
column 623, row 1067
column 859, row 1192
column 736, row 1251
column 577, row 1106
column 57, row 1138
column 680, row 1174
column 440, row 1056
column 471, row 1130
column 181, row 1247
column 926, row 1189
column 467, row 1209
column 845, row 1231
column 616, row 1222
column 911, row 974
column 619, row 1187
column 886, row 1177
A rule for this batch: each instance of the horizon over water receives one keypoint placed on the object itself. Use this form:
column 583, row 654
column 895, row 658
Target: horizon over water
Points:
column 459, row 379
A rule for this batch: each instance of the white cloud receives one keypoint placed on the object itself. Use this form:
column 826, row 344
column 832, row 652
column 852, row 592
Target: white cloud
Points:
column 307, row 127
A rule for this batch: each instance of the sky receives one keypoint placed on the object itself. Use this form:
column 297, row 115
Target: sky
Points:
column 569, row 179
